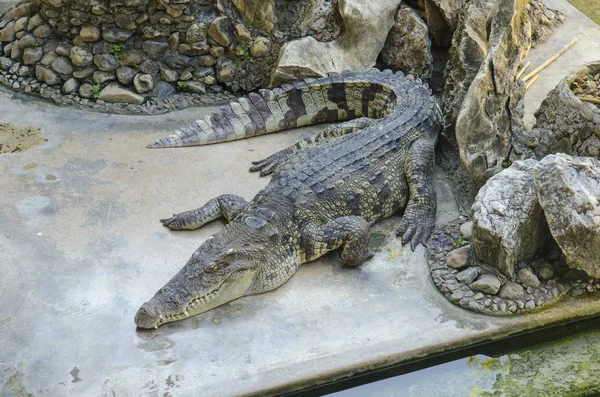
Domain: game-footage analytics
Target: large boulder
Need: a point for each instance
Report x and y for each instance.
(508, 222)
(467, 52)
(493, 109)
(568, 190)
(408, 46)
(366, 26)
(564, 124)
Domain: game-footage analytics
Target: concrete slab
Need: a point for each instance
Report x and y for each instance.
(83, 248)
(587, 49)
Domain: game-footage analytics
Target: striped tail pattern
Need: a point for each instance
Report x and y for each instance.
(337, 97)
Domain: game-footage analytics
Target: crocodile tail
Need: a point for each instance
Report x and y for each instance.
(337, 97)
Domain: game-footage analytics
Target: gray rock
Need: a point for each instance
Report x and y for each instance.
(21, 24)
(366, 27)
(27, 41)
(260, 47)
(543, 21)
(225, 74)
(163, 90)
(257, 13)
(42, 32)
(133, 58)
(34, 22)
(16, 52)
(178, 61)
(242, 33)
(8, 33)
(149, 67)
(196, 32)
(81, 57)
(484, 127)
(486, 283)
(194, 87)
(48, 58)
(84, 73)
(115, 93)
(155, 49)
(545, 270)
(62, 65)
(564, 124)
(114, 35)
(467, 52)
(468, 275)
(6, 63)
(32, 55)
(528, 278)
(508, 222)
(511, 290)
(70, 86)
(143, 83)
(568, 189)
(458, 258)
(105, 62)
(46, 75)
(466, 229)
(221, 31)
(103, 77)
(408, 47)
(125, 75)
(7, 49)
(63, 49)
(85, 91)
(169, 75)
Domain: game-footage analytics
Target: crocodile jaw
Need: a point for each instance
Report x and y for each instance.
(168, 305)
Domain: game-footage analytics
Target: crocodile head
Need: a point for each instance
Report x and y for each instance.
(212, 277)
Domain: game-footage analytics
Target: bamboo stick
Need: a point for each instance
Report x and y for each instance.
(527, 65)
(590, 100)
(530, 83)
(549, 61)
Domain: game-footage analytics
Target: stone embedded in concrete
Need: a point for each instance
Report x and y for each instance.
(106, 62)
(21, 24)
(27, 41)
(508, 222)
(528, 278)
(568, 189)
(257, 13)
(103, 77)
(48, 58)
(6, 63)
(62, 65)
(468, 275)
(143, 83)
(63, 49)
(90, 33)
(8, 33)
(484, 127)
(221, 31)
(155, 49)
(133, 58)
(511, 290)
(84, 73)
(34, 22)
(242, 33)
(81, 57)
(70, 86)
(32, 55)
(85, 91)
(162, 90)
(259, 49)
(487, 283)
(125, 75)
(46, 75)
(149, 67)
(366, 26)
(116, 93)
(458, 258)
(42, 32)
(115, 35)
(408, 47)
(196, 32)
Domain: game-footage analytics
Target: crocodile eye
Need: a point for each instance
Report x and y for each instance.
(214, 267)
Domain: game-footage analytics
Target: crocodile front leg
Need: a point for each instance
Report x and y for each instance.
(419, 216)
(268, 165)
(351, 233)
(226, 206)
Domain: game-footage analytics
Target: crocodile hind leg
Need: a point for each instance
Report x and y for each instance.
(419, 216)
(268, 165)
(350, 233)
(225, 205)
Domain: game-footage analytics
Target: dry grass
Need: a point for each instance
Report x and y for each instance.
(591, 8)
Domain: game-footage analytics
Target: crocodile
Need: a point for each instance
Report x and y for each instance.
(325, 192)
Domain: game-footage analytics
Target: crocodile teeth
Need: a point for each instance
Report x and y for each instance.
(186, 313)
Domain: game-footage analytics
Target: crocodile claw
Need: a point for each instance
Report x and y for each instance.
(416, 226)
(172, 223)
